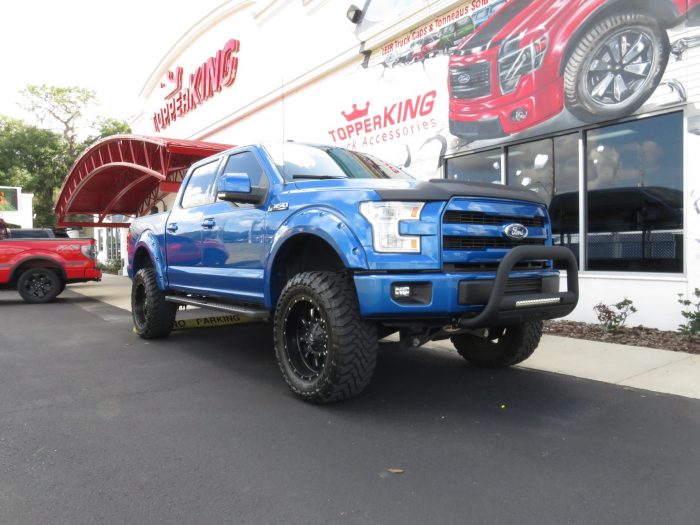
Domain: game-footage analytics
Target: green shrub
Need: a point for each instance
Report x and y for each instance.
(691, 312)
(612, 317)
(111, 266)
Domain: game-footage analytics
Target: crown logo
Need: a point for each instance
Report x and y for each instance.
(356, 113)
(173, 77)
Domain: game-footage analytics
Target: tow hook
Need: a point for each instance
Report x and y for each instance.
(412, 338)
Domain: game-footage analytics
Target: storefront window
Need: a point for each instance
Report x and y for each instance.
(549, 167)
(478, 167)
(634, 180)
(635, 195)
(564, 207)
(531, 166)
(113, 246)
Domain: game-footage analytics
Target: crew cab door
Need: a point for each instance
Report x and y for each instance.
(234, 244)
(183, 231)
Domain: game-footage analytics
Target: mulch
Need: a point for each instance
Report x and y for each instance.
(636, 336)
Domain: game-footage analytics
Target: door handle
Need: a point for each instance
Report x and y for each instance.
(172, 227)
(208, 223)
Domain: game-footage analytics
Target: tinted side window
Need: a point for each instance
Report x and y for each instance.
(199, 187)
(30, 234)
(246, 163)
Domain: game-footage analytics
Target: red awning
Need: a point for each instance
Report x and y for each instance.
(126, 175)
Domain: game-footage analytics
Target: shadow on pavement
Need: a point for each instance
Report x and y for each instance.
(406, 381)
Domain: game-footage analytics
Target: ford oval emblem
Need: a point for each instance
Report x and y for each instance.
(464, 78)
(515, 231)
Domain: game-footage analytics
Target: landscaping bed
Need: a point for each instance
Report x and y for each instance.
(636, 336)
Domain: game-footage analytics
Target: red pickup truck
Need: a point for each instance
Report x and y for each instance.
(40, 268)
(601, 59)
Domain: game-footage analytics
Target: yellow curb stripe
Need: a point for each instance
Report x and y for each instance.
(208, 322)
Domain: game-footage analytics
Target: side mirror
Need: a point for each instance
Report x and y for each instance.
(235, 187)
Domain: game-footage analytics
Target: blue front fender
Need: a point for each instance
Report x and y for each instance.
(149, 243)
(325, 225)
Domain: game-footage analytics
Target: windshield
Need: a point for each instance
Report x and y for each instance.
(301, 161)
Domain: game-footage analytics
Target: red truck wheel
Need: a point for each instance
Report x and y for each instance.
(512, 345)
(615, 67)
(39, 285)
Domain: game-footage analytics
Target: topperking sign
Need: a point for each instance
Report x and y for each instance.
(215, 73)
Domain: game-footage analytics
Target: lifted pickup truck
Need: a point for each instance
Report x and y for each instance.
(338, 249)
(40, 268)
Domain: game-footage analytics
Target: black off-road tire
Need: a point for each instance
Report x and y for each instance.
(515, 344)
(350, 343)
(39, 285)
(577, 98)
(153, 316)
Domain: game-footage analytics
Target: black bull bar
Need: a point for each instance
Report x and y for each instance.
(504, 310)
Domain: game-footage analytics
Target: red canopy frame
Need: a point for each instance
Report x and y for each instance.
(126, 175)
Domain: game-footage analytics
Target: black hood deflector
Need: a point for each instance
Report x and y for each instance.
(444, 190)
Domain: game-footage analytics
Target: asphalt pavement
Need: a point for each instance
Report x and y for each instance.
(99, 426)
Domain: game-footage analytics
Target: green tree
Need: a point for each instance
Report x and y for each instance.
(63, 107)
(105, 128)
(36, 160)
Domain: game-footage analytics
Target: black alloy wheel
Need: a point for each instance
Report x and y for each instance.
(306, 338)
(620, 66)
(39, 285)
(139, 308)
(615, 67)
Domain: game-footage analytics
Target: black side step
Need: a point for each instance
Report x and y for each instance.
(224, 307)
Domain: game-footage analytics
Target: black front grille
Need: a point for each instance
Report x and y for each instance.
(524, 286)
(481, 243)
(471, 81)
(493, 266)
(470, 217)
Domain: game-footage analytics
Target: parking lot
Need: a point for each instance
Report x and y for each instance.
(99, 426)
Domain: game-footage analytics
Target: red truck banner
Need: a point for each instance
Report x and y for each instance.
(489, 71)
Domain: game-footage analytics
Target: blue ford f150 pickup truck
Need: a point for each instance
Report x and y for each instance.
(338, 249)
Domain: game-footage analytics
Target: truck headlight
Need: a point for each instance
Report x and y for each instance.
(515, 61)
(384, 217)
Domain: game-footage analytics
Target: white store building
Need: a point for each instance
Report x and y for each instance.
(504, 91)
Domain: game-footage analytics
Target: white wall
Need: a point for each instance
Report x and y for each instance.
(656, 298)
(692, 202)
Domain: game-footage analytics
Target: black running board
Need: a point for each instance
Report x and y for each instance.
(243, 311)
